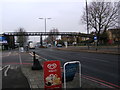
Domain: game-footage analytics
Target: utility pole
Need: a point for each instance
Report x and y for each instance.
(87, 23)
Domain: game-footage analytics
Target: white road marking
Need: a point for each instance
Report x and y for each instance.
(6, 54)
(44, 59)
(31, 54)
(38, 56)
(3, 67)
(5, 73)
(0, 68)
(20, 59)
(9, 54)
(16, 67)
(13, 67)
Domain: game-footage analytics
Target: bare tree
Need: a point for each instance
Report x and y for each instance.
(119, 14)
(22, 40)
(53, 35)
(101, 16)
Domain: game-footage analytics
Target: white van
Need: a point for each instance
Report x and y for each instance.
(32, 46)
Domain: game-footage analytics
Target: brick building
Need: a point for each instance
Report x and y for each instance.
(113, 36)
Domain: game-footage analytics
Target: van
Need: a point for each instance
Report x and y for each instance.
(32, 46)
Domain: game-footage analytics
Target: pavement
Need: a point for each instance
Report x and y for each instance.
(102, 49)
(35, 77)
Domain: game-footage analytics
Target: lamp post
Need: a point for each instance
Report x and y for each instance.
(87, 23)
(45, 23)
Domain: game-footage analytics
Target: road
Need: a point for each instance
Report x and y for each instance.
(103, 67)
(12, 76)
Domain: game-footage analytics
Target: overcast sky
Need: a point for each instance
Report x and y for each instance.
(65, 15)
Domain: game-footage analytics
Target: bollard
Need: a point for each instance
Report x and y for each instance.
(36, 63)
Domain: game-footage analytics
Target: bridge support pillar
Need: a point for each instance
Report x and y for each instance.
(41, 43)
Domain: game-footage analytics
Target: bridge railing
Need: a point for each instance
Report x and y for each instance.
(46, 33)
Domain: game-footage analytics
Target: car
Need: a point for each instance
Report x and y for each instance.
(59, 45)
(49, 45)
(32, 46)
(38, 45)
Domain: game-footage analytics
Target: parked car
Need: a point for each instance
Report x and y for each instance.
(59, 45)
(38, 45)
(49, 45)
(32, 46)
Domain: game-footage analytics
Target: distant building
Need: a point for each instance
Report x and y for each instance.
(113, 36)
(73, 39)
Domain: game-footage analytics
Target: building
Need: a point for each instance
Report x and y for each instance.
(73, 39)
(113, 36)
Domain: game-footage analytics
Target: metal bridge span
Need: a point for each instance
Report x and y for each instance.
(47, 33)
(72, 34)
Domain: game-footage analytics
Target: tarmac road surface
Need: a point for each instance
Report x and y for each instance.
(12, 76)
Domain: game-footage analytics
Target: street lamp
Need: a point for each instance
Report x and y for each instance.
(45, 25)
(45, 29)
(45, 22)
(87, 23)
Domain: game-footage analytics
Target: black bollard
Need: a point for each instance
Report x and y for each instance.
(36, 63)
(27, 48)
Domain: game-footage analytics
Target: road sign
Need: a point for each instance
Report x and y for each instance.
(52, 74)
(2, 38)
(70, 69)
(95, 37)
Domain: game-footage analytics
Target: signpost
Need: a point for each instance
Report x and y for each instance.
(95, 40)
(70, 70)
(52, 74)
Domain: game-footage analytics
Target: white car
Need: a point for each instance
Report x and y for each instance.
(49, 45)
(31, 46)
(59, 45)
